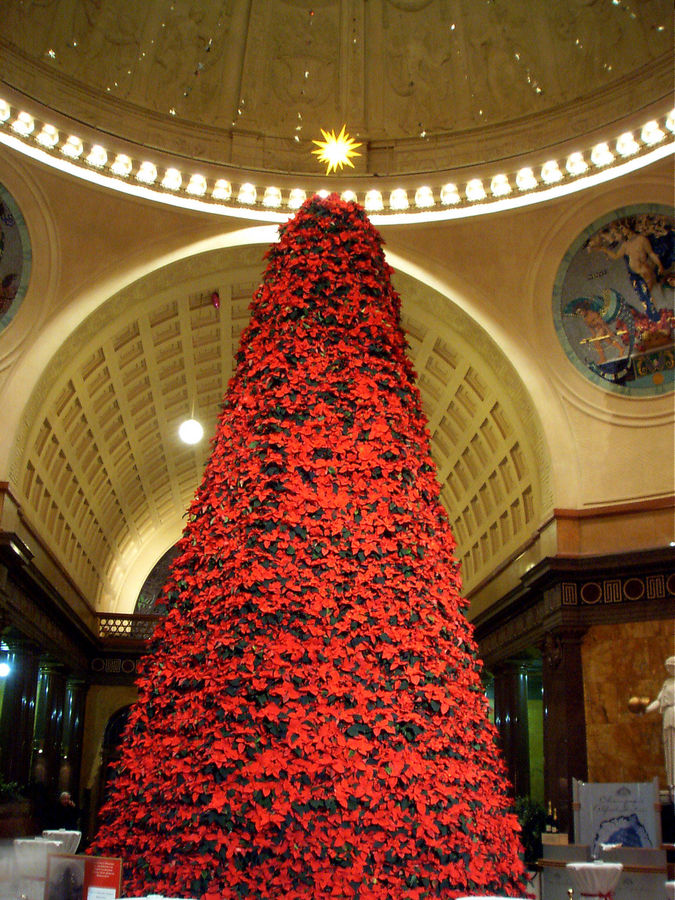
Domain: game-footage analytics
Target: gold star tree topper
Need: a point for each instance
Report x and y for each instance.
(336, 150)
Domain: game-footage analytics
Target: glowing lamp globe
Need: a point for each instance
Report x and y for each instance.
(190, 431)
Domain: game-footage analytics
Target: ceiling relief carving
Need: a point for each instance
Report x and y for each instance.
(301, 71)
(216, 80)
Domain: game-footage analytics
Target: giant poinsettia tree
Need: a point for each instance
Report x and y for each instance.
(311, 721)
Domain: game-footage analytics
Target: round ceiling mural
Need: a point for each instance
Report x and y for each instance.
(613, 301)
(15, 258)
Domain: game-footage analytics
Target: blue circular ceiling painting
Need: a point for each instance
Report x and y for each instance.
(613, 301)
(15, 258)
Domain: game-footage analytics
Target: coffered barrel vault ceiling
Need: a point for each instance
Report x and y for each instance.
(425, 84)
(102, 475)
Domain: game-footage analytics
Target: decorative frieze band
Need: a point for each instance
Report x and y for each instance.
(113, 665)
(629, 589)
(529, 624)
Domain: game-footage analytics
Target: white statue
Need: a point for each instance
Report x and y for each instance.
(665, 704)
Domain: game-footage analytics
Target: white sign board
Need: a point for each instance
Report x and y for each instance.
(624, 814)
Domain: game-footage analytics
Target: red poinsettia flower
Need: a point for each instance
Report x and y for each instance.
(310, 720)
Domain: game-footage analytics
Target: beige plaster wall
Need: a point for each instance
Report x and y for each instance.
(102, 702)
(502, 270)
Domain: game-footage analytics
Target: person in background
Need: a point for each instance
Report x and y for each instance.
(66, 813)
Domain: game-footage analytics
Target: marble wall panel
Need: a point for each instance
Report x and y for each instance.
(621, 661)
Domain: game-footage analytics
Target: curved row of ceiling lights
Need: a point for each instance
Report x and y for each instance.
(530, 184)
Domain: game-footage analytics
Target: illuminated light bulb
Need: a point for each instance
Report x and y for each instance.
(4, 670)
(670, 121)
(222, 189)
(323, 194)
(373, 201)
(348, 197)
(247, 193)
(272, 197)
(296, 198)
(449, 194)
(601, 155)
(424, 197)
(499, 186)
(121, 165)
(172, 180)
(651, 133)
(147, 173)
(190, 431)
(525, 180)
(550, 172)
(48, 137)
(5, 110)
(73, 147)
(576, 164)
(626, 145)
(475, 190)
(98, 156)
(196, 185)
(398, 199)
(24, 124)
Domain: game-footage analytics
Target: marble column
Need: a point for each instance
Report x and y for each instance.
(71, 741)
(565, 755)
(510, 687)
(17, 716)
(49, 707)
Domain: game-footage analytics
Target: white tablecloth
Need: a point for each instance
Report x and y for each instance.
(7, 875)
(595, 879)
(70, 839)
(31, 864)
(670, 890)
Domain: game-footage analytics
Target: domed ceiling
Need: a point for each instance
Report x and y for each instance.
(425, 85)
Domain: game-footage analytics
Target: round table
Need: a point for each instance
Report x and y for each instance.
(595, 879)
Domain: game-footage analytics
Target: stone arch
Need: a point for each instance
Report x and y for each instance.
(102, 478)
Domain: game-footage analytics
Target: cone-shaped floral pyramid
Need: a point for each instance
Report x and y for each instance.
(311, 721)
